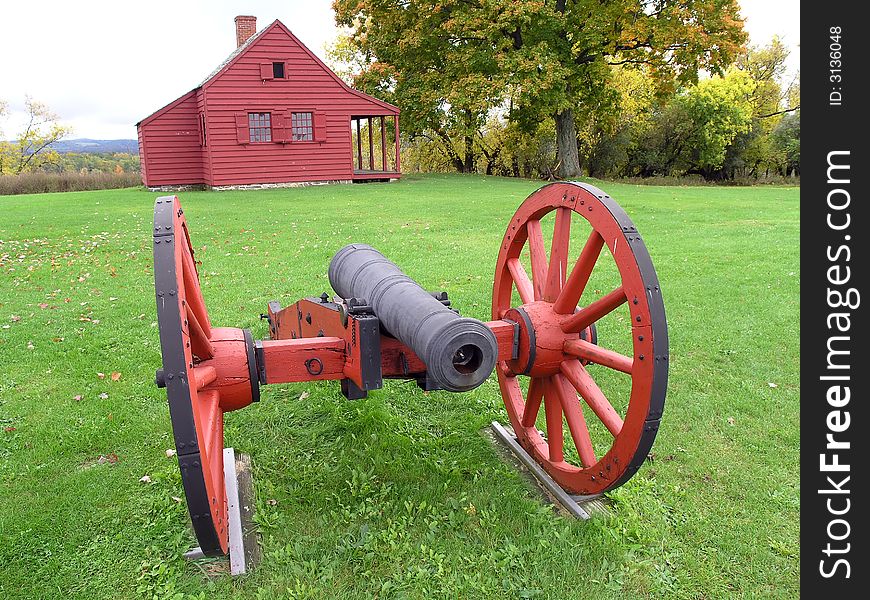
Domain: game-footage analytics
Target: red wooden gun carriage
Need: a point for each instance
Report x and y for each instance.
(542, 344)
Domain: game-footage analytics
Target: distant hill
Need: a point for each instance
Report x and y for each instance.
(86, 145)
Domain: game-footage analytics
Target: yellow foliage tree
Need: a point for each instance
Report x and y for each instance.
(32, 147)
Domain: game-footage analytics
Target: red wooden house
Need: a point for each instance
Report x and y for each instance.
(271, 113)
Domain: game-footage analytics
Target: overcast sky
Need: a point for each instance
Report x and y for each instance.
(104, 65)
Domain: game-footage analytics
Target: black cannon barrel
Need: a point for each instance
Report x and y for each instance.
(459, 353)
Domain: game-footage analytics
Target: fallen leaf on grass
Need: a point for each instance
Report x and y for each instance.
(15, 318)
(57, 340)
(78, 397)
(771, 384)
(116, 376)
(731, 421)
(272, 502)
(8, 429)
(43, 305)
(144, 479)
(101, 375)
(102, 459)
(304, 395)
(177, 499)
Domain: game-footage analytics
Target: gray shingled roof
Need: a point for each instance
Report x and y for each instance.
(232, 55)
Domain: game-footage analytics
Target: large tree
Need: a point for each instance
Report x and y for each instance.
(448, 62)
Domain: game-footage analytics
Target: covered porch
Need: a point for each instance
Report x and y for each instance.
(375, 147)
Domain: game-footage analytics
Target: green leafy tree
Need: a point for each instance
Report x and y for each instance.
(754, 151)
(426, 58)
(692, 131)
(448, 63)
(720, 109)
(786, 139)
(606, 137)
(32, 149)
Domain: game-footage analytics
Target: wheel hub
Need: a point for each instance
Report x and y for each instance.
(541, 339)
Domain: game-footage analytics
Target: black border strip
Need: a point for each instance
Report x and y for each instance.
(658, 323)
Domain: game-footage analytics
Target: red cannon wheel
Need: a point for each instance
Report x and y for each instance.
(559, 357)
(206, 371)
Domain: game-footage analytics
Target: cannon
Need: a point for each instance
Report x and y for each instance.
(542, 342)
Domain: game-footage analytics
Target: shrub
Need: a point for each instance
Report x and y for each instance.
(38, 183)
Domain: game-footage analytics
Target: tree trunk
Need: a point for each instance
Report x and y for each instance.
(449, 151)
(468, 163)
(566, 146)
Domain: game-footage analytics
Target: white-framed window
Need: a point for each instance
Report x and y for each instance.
(302, 125)
(260, 127)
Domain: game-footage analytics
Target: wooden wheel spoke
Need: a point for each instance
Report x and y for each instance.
(558, 254)
(204, 375)
(587, 315)
(570, 295)
(521, 280)
(538, 257)
(200, 344)
(553, 410)
(592, 394)
(192, 291)
(598, 355)
(210, 420)
(537, 385)
(576, 423)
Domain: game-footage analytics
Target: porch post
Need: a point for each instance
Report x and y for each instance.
(396, 131)
(371, 148)
(358, 145)
(383, 144)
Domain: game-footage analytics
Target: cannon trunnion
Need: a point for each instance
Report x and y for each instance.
(550, 304)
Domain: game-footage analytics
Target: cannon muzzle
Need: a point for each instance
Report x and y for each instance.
(459, 353)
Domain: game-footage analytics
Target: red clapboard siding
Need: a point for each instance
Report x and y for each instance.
(169, 146)
(171, 140)
(142, 166)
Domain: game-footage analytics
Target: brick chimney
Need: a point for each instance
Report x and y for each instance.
(246, 26)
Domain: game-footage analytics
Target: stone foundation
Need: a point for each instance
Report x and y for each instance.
(268, 186)
(179, 188)
(246, 186)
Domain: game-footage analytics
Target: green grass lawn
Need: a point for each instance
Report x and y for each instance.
(398, 495)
